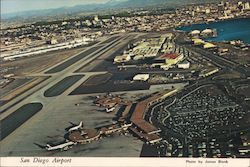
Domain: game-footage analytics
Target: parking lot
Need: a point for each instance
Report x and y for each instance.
(203, 122)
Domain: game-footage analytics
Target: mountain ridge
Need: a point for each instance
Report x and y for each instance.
(112, 4)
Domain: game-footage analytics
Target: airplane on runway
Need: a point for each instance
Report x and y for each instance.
(80, 126)
(64, 146)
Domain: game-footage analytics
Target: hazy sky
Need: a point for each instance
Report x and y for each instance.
(10, 6)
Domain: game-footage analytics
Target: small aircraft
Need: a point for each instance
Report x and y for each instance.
(76, 127)
(64, 146)
(110, 109)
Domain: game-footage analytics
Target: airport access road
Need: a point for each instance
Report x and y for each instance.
(220, 61)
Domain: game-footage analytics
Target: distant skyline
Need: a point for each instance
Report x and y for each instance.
(13, 6)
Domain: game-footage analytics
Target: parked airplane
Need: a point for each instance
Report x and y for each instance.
(80, 126)
(64, 146)
(110, 109)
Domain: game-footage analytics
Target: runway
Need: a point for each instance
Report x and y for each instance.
(57, 107)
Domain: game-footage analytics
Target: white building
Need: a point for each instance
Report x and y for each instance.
(53, 41)
(141, 77)
(122, 59)
(198, 41)
(208, 45)
(207, 32)
(246, 6)
(184, 65)
(148, 48)
(207, 11)
(195, 32)
(96, 18)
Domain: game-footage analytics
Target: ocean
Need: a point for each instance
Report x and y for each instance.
(227, 30)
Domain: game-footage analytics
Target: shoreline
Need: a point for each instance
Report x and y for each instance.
(185, 29)
(216, 21)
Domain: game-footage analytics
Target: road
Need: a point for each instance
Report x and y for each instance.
(214, 58)
(220, 61)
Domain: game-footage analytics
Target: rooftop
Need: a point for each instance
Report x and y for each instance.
(170, 56)
(148, 137)
(145, 126)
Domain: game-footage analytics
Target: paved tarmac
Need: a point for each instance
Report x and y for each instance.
(48, 125)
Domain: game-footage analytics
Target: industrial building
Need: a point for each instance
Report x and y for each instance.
(167, 61)
(197, 41)
(141, 77)
(122, 59)
(168, 47)
(209, 33)
(172, 58)
(195, 33)
(208, 72)
(47, 48)
(148, 48)
(204, 44)
(204, 33)
(208, 45)
(184, 65)
(222, 51)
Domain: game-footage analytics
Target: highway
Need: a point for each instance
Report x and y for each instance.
(220, 61)
(214, 58)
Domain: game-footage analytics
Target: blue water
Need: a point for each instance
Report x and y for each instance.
(227, 30)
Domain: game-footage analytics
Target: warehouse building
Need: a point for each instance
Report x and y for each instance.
(148, 48)
(197, 41)
(167, 61)
(208, 45)
(141, 77)
(184, 65)
(122, 59)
